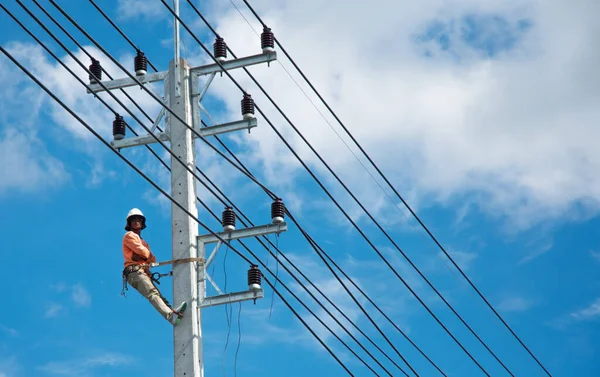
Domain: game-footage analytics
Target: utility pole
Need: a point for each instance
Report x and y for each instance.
(183, 97)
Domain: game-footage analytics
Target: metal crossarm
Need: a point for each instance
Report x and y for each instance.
(234, 64)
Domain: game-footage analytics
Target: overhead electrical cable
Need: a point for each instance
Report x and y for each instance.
(155, 97)
(312, 242)
(216, 217)
(227, 73)
(110, 77)
(101, 100)
(404, 202)
(268, 121)
(74, 75)
(112, 23)
(309, 292)
(149, 180)
(357, 201)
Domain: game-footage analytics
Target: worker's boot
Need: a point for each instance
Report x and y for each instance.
(178, 313)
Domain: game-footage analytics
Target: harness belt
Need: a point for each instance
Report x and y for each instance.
(136, 267)
(126, 271)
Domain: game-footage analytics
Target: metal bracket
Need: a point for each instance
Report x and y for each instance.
(266, 57)
(126, 82)
(139, 140)
(232, 297)
(227, 127)
(244, 233)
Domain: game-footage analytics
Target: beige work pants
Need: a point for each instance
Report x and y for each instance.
(143, 284)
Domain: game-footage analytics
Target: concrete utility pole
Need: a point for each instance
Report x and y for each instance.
(183, 98)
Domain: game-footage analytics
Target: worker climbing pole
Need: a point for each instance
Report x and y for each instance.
(182, 116)
(138, 258)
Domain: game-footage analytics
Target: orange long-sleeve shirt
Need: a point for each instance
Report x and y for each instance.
(134, 245)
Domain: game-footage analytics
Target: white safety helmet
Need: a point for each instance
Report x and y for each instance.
(135, 212)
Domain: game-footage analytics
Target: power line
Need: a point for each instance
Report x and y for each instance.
(300, 318)
(122, 90)
(120, 32)
(284, 255)
(319, 111)
(158, 100)
(360, 204)
(229, 75)
(72, 113)
(238, 160)
(200, 201)
(103, 102)
(266, 118)
(479, 293)
(84, 68)
(233, 155)
(320, 251)
(241, 165)
(306, 167)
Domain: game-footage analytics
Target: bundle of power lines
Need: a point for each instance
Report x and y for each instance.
(400, 363)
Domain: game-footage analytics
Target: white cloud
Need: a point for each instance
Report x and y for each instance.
(24, 102)
(515, 304)
(515, 131)
(9, 330)
(27, 165)
(53, 309)
(462, 258)
(537, 251)
(589, 313)
(81, 297)
(129, 9)
(9, 367)
(58, 287)
(84, 366)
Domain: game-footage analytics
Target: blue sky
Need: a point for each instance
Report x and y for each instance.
(480, 115)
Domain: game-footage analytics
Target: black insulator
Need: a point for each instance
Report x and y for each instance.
(267, 40)
(247, 106)
(140, 63)
(228, 219)
(118, 127)
(96, 71)
(277, 211)
(254, 277)
(220, 49)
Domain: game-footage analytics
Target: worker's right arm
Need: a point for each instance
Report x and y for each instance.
(133, 241)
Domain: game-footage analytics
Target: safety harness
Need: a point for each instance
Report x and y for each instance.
(155, 276)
